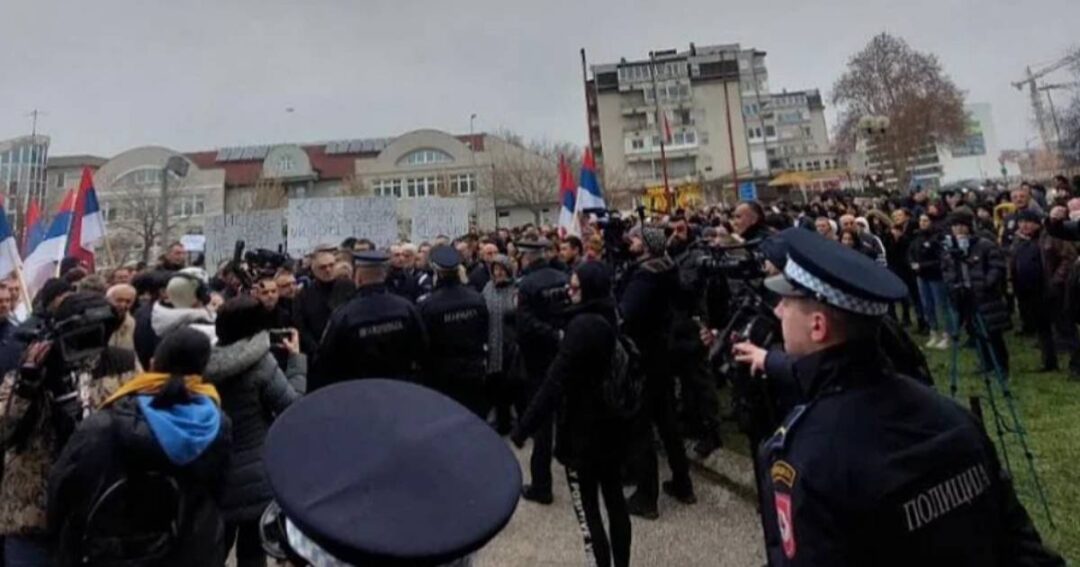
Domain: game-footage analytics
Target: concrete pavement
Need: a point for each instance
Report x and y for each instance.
(722, 529)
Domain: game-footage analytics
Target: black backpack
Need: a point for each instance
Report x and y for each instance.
(135, 521)
(622, 389)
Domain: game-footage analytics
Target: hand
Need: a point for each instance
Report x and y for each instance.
(749, 353)
(216, 300)
(292, 344)
(1059, 213)
(708, 336)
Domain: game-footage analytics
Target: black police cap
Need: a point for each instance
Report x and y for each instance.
(540, 244)
(836, 275)
(370, 258)
(384, 472)
(444, 257)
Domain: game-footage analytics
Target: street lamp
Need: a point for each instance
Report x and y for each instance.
(178, 166)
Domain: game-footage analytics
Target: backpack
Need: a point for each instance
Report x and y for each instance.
(135, 521)
(622, 389)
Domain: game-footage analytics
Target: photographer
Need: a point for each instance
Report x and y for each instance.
(67, 372)
(973, 268)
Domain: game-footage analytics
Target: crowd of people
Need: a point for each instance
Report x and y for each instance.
(523, 326)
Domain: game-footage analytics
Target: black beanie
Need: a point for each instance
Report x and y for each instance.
(595, 280)
(240, 318)
(183, 351)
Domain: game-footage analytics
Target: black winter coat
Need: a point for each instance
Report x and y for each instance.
(456, 319)
(107, 445)
(539, 317)
(312, 308)
(924, 254)
(253, 392)
(646, 308)
(587, 436)
(986, 270)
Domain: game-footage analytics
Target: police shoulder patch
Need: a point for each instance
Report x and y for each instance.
(783, 473)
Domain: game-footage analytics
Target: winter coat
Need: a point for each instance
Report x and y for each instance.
(118, 439)
(1057, 257)
(986, 279)
(924, 254)
(27, 462)
(587, 435)
(253, 391)
(646, 308)
(312, 308)
(502, 339)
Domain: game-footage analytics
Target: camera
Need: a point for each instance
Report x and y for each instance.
(78, 338)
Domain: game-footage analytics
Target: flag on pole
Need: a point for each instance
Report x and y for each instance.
(42, 261)
(9, 249)
(567, 197)
(87, 224)
(588, 194)
(35, 228)
(664, 125)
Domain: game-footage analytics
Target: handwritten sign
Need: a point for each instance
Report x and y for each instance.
(258, 229)
(330, 220)
(434, 216)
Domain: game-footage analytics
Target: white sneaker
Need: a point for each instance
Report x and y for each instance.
(933, 340)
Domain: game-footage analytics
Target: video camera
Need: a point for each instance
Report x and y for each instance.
(252, 265)
(742, 262)
(78, 338)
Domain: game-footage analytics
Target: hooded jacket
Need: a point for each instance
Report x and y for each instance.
(587, 435)
(253, 391)
(645, 305)
(188, 442)
(165, 318)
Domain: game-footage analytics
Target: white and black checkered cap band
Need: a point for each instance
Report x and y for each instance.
(826, 293)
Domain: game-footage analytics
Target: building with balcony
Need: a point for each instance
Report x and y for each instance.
(699, 92)
(22, 174)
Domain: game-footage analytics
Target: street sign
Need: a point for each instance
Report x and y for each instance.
(747, 191)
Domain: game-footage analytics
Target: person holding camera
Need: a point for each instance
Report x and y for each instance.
(871, 467)
(66, 373)
(974, 271)
(253, 392)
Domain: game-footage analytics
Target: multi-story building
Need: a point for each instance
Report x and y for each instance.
(699, 92)
(63, 173)
(801, 140)
(22, 172)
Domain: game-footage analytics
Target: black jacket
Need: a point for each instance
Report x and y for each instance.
(479, 276)
(539, 316)
(983, 280)
(456, 320)
(146, 340)
(924, 254)
(646, 307)
(312, 308)
(404, 283)
(587, 435)
(253, 392)
(376, 335)
(876, 469)
(107, 446)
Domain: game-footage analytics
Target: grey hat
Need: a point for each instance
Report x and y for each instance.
(655, 241)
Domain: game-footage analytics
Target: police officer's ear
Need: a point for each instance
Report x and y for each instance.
(821, 328)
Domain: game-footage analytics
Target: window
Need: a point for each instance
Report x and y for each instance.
(684, 117)
(387, 188)
(656, 141)
(770, 131)
(637, 144)
(59, 181)
(425, 156)
(285, 163)
(421, 186)
(464, 184)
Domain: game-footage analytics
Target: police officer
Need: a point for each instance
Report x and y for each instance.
(375, 334)
(456, 319)
(541, 298)
(870, 467)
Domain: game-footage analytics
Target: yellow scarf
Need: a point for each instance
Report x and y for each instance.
(152, 382)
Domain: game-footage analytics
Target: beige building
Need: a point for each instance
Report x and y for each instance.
(64, 173)
(796, 133)
(700, 93)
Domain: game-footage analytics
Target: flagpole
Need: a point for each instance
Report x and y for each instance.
(663, 150)
(23, 290)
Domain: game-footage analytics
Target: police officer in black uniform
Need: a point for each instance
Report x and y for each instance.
(541, 298)
(870, 467)
(375, 334)
(456, 319)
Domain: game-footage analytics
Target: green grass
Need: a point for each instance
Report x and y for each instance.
(1049, 406)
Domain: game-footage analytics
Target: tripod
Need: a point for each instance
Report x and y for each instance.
(993, 375)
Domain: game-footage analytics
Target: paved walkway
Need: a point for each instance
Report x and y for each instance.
(721, 529)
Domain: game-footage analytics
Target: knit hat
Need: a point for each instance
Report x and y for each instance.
(182, 291)
(1029, 215)
(962, 215)
(655, 241)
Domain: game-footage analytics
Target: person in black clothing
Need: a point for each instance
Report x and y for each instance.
(924, 256)
(456, 319)
(538, 322)
(375, 335)
(589, 439)
(480, 274)
(571, 252)
(317, 301)
(645, 305)
(403, 278)
(870, 467)
(897, 245)
(151, 289)
(749, 222)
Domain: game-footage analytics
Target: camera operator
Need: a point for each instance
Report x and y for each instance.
(871, 468)
(66, 372)
(646, 307)
(973, 268)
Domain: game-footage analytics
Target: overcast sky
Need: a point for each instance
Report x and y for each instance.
(198, 74)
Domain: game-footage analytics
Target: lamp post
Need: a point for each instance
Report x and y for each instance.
(179, 166)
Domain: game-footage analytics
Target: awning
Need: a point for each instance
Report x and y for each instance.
(800, 178)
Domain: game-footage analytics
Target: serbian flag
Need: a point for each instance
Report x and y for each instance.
(9, 249)
(87, 224)
(664, 125)
(42, 262)
(588, 194)
(567, 196)
(35, 228)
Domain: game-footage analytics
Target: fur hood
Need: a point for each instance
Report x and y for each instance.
(235, 359)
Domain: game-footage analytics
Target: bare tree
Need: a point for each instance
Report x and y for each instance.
(1070, 122)
(269, 194)
(353, 187)
(888, 78)
(526, 173)
(135, 224)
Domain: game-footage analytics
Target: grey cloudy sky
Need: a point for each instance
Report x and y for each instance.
(199, 74)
